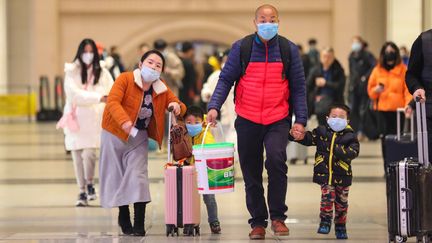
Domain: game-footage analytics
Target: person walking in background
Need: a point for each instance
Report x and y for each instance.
(361, 63)
(188, 93)
(87, 85)
(387, 89)
(114, 63)
(266, 90)
(313, 53)
(325, 84)
(419, 76)
(135, 111)
(405, 55)
(142, 48)
(174, 71)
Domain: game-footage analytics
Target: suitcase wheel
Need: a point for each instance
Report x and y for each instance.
(171, 230)
(400, 239)
(197, 230)
(189, 230)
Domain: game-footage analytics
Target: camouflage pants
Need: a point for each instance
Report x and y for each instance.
(338, 196)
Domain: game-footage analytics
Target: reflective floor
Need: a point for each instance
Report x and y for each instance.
(38, 193)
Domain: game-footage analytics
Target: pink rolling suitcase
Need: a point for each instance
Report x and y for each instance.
(182, 201)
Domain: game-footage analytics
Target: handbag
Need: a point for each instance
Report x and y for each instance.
(69, 120)
(373, 124)
(181, 143)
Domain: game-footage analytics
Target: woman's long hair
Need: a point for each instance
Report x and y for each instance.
(382, 52)
(96, 65)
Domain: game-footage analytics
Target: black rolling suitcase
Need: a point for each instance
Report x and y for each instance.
(409, 191)
(45, 113)
(399, 146)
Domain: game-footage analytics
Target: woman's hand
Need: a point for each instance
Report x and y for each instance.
(320, 82)
(127, 126)
(378, 89)
(176, 108)
(103, 99)
(408, 111)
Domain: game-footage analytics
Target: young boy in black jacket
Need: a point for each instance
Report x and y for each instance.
(337, 145)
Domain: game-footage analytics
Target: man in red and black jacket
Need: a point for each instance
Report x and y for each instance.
(266, 95)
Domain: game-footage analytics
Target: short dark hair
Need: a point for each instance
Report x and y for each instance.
(186, 46)
(154, 52)
(194, 111)
(160, 44)
(312, 41)
(340, 106)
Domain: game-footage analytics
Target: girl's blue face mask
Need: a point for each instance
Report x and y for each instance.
(194, 129)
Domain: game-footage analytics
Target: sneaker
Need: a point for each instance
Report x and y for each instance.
(215, 227)
(257, 233)
(340, 231)
(91, 192)
(82, 200)
(324, 227)
(279, 228)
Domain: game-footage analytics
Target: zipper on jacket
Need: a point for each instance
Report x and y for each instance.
(139, 108)
(265, 77)
(331, 159)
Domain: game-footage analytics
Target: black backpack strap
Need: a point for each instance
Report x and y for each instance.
(285, 51)
(245, 52)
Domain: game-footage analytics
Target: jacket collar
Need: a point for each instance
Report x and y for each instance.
(270, 42)
(158, 86)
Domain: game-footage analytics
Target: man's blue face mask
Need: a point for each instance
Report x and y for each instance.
(267, 30)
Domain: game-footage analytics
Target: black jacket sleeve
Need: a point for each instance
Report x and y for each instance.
(347, 152)
(415, 66)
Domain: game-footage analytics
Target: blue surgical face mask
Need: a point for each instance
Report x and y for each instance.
(194, 129)
(267, 30)
(149, 75)
(356, 46)
(337, 124)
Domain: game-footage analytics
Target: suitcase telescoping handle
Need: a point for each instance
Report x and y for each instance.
(170, 110)
(399, 111)
(422, 135)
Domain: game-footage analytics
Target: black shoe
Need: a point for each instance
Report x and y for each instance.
(82, 200)
(124, 220)
(139, 218)
(91, 192)
(215, 227)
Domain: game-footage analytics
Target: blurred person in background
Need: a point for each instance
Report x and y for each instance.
(134, 113)
(87, 85)
(405, 55)
(113, 63)
(174, 71)
(326, 84)
(361, 63)
(387, 89)
(188, 94)
(142, 48)
(313, 53)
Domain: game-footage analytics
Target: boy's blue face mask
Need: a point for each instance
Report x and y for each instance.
(194, 129)
(337, 124)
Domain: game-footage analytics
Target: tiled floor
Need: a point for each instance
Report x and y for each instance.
(38, 192)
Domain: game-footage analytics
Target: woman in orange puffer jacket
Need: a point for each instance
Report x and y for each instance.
(387, 88)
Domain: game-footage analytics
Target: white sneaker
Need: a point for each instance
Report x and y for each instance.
(82, 200)
(91, 192)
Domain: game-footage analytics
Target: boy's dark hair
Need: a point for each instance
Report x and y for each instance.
(340, 106)
(194, 111)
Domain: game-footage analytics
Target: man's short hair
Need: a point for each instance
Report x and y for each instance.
(266, 6)
(160, 44)
(186, 46)
(340, 106)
